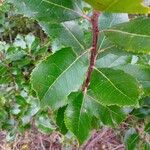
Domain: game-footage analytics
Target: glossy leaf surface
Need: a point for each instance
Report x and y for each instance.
(57, 76)
(48, 10)
(78, 117)
(65, 34)
(128, 6)
(114, 87)
(132, 36)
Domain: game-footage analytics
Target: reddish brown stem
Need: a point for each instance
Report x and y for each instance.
(95, 30)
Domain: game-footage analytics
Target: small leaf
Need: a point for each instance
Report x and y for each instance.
(5, 76)
(21, 101)
(19, 42)
(133, 36)
(15, 109)
(108, 115)
(114, 87)
(147, 146)
(131, 139)
(15, 54)
(59, 75)
(60, 120)
(30, 112)
(119, 6)
(44, 123)
(147, 128)
(11, 135)
(3, 115)
(77, 117)
(31, 41)
(144, 110)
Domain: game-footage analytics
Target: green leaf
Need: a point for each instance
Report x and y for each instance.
(3, 115)
(144, 59)
(114, 87)
(143, 111)
(15, 110)
(21, 101)
(83, 108)
(78, 117)
(30, 112)
(44, 123)
(60, 120)
(112, 115)
(107, 20)
(66, 34)
(147, 128)
(20, 42)
(11, 135)
(59, 75)
(133, 36)
(119, 6)
(131, 139)
(140, 72)
(15, 54)
(5, 76)
(5, 7)
(147, 146)
(108, 115)
(48, 10)
(111, 60)
(146, 101)
(32, 42)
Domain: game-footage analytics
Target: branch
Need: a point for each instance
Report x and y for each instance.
(86, 17)
(95, 30)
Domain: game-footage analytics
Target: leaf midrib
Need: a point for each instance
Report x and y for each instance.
(111, 5)
(63, 73)
(104, 106)
(81, 110)
(114, 85)
(127, 33)
(73, 36)
(57, 5)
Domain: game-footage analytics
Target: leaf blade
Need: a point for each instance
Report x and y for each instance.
(110, 88)
(119, 6)
(108, 115)
(133, 36)
(48, 10)
(77, 117)
(140, 72)
(55, 78)
(65, 34)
